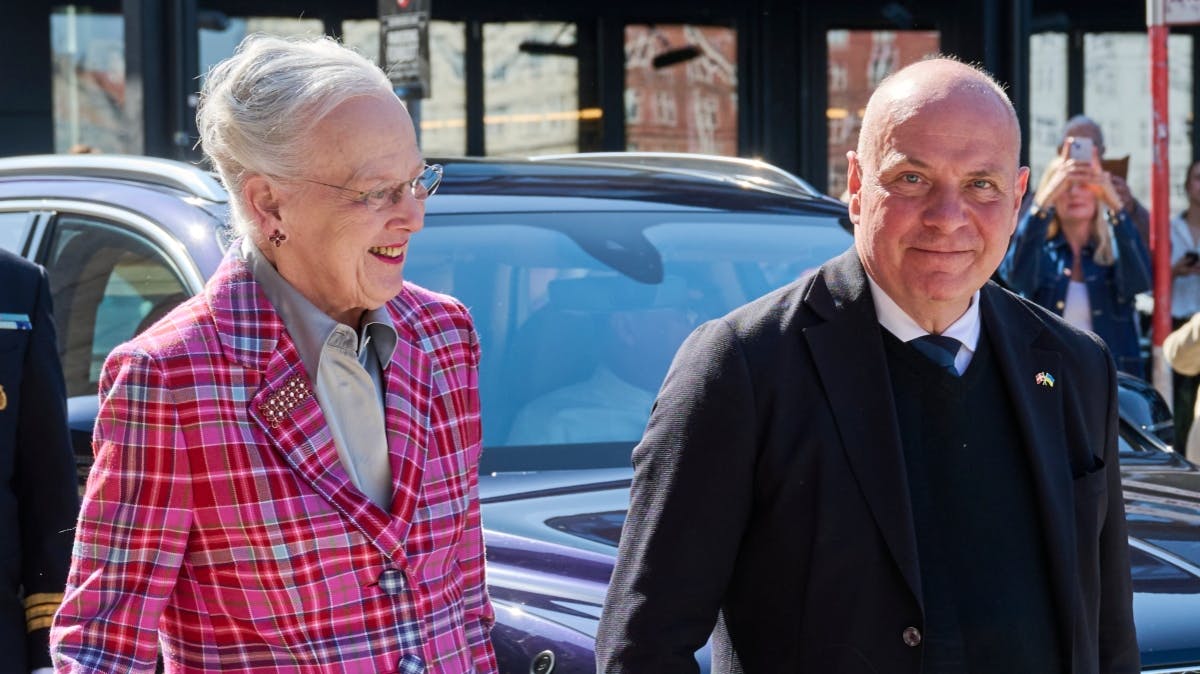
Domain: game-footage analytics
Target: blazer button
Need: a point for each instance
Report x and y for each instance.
(912, 636)
(1060, 304)
(391, 581)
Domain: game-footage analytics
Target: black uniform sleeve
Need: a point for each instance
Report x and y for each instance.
(45, 479)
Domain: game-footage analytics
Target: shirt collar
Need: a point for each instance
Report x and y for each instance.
(311, 328)
(896, 321)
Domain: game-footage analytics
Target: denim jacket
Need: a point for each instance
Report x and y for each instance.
(1039, 269)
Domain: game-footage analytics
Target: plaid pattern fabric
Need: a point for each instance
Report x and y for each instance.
(219, 521)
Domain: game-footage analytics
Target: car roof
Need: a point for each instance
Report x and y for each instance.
(153, 171)
(754, 171)
(567, 184)
(600, 181)
(165, 189)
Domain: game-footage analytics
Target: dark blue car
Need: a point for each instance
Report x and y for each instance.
(583, 275)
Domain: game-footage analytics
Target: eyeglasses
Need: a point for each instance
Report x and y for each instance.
(422, 187)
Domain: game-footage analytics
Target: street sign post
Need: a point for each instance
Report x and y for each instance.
(404, 46)
(1160, 16)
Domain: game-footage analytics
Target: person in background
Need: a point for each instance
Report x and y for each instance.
(1077, 253)
(286, 473)
(640, 327)
(1185, 295)
(1181, 348)
(39, 491)
(891, 464)
(1082, 126)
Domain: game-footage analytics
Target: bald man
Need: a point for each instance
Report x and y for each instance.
(890, 465)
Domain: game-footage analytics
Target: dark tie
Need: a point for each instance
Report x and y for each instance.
(940, 349)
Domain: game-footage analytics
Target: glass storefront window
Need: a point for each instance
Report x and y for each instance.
(442, 116)
(88, 71)
(681, 88)
(1047, 99)
(217, 45)
(1115, 68)
(531, 100)
(858, 62)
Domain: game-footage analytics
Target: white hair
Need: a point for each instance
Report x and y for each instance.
(258, 107)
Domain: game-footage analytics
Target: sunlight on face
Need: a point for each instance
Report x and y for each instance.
(935, 194)
(341, 254)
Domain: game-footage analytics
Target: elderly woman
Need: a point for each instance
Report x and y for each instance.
(1077, 253)
(286, 465)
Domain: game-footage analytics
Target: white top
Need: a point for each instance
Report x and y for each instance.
(602, 408)
(896, 321)
(1185, 290)
(1078, 307)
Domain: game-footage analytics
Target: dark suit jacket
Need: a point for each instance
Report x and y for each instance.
(39, 496)
(770, 495)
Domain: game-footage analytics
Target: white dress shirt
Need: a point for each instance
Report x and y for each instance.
(896, 321)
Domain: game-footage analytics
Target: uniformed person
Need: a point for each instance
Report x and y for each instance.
(39, 496)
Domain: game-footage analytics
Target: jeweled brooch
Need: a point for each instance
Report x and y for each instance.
(281, 403)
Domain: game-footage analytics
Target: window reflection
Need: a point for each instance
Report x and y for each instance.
(442, 117)
(1047, 98)
(681, 88)
(858, 62)
(531, 99)
(88, 71)
(218, 45)
(1115, 67)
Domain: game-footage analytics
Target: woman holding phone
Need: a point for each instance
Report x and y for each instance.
(1076, 253)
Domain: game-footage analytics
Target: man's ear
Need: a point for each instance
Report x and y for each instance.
(854, 185)
(1022, 184)
(262, 201)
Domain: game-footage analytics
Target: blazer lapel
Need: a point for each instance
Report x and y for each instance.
(847, 350)
(285, 406)
(409, 400)
(1039, 407)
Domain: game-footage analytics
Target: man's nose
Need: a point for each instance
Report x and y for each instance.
(944, 207)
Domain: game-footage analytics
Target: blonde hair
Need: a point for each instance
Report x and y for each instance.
(1101, 235)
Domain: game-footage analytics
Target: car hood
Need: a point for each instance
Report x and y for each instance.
(552, 540)
(1162, 508)
(537, 566)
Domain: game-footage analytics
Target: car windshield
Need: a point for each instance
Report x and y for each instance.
(579, 314)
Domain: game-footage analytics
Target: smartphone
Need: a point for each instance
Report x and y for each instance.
(1191, 258)
(1080, 149)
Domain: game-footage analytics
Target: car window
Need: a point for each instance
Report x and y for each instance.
(1151, 574)
(1186, 546)
(108, 283)
(579, 318)
(14, 228)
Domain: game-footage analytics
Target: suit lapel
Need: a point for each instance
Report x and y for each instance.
(1014, 332)
(848, 353)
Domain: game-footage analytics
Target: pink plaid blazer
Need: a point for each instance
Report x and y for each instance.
(219, 521)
